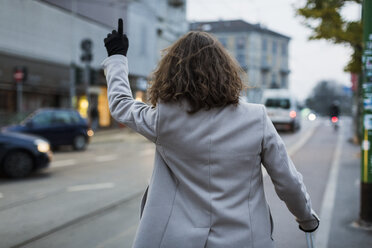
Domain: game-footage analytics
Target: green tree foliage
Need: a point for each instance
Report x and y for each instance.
(327, 92)
(324, 18)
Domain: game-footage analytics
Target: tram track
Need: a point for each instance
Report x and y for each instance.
(79, 220)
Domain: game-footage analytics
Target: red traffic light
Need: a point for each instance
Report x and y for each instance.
(19, 75)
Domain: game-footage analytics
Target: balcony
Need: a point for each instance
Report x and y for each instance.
(284, 70)
(176, 3)
(265, 66)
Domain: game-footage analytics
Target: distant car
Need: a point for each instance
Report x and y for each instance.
(58, 126)
(21, 154)
(282, 109)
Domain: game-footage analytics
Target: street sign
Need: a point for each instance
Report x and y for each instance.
(19, 74)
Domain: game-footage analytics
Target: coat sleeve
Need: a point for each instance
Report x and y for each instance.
(287, 180)
(137, 115)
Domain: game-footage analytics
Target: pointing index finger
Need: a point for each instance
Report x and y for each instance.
(120, 26)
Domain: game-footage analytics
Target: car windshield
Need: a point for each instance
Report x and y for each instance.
(43, 118)
(28, 118)
(63, 117)
(278, 103)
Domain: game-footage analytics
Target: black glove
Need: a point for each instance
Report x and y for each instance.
(117, 42)
(312, 229)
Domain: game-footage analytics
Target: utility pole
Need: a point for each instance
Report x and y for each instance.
(366, 166)
(72, 54)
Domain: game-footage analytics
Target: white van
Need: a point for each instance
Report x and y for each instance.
(282, 109)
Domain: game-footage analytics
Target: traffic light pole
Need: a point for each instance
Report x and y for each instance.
(72, 86)
(366, 160)
(87, 81)
(19, 97)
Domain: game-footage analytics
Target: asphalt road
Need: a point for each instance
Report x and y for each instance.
(91, 199)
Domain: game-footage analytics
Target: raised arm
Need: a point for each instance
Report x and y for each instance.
(135, 114)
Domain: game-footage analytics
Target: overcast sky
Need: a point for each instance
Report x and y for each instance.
(310, 61)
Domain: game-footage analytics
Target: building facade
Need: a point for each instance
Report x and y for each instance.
(262, 53)
(45, 38)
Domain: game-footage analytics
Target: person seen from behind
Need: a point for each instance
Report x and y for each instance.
(334, 109)
(206, 189)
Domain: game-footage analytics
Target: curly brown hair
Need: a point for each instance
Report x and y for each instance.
(199, 69)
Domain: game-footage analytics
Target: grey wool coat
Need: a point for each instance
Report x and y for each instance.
(206, 189)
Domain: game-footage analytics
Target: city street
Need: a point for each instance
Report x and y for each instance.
(91, 198)
(75, 71)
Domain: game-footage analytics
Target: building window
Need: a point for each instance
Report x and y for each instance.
(240, 43)
(223, 41)
(274, 47)
(264, 44)
(274, 84)
(284, 81)
(241, 60)
(284, 49)
(264, 78)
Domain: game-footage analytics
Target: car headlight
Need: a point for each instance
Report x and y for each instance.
(90, 132)
(42, 146)
(311, 117)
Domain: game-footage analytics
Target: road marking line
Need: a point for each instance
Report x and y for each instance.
(293, 149)
(1, 195)
(322, 235)
(106, 158)
(63, 163)
(85, 187)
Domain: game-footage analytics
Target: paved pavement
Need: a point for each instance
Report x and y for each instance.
(115, 135)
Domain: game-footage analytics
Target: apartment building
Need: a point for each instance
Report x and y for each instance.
(261, 52)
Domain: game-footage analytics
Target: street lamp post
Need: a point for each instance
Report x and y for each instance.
(72, 54)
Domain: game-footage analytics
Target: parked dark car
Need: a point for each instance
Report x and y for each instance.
(58, 126)
(21, 154)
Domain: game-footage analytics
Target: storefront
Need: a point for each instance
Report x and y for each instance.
(45, 84)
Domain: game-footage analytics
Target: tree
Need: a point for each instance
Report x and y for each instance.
(327, 92)
(324, 18)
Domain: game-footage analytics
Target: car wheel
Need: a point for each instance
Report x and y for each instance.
(17, 164)
(80, 142)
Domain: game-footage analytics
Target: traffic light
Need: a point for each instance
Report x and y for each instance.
(20, 74)
(86, 47)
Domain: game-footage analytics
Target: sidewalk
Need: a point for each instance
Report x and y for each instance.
(121, 134)
(343, 233)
